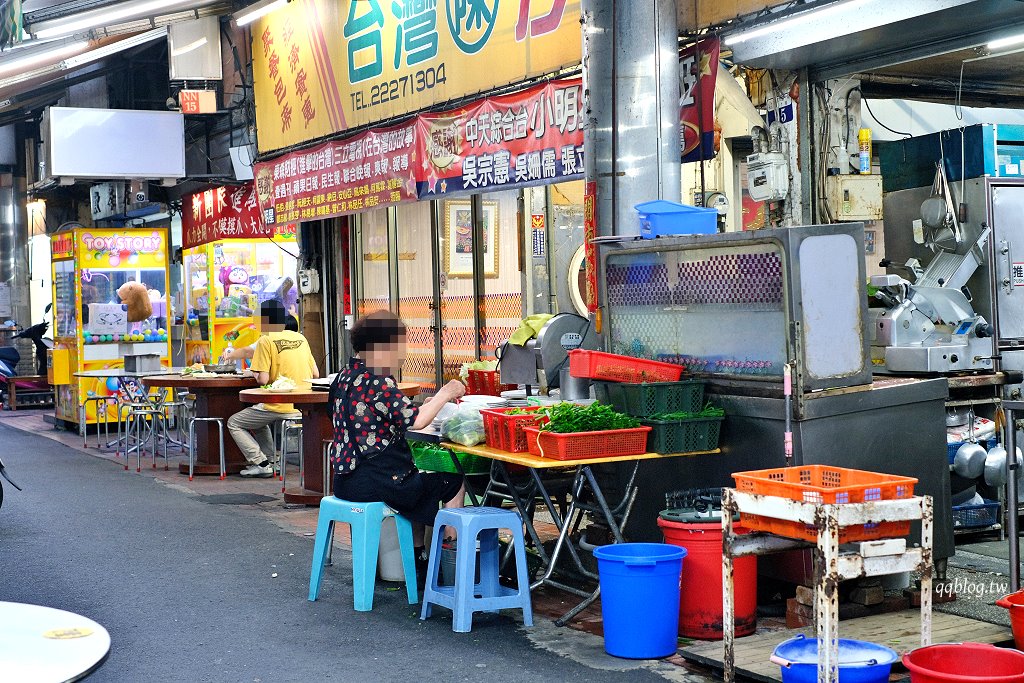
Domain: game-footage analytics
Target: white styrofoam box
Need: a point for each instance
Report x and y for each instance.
(108, 319)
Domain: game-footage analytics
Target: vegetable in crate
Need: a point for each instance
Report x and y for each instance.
(567, 418)
(707, 411)
(466, 427)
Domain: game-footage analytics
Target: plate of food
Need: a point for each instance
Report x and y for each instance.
(281, 385)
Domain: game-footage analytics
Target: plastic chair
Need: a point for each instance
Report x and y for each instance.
(466, 596)
(364, 520)
(192, 443)
(288, 427)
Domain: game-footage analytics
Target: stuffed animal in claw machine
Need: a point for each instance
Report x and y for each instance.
(232, 276)
(136, 297)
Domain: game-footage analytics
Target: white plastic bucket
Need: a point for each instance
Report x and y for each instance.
(389, 557)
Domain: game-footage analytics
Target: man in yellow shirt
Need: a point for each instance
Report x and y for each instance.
(278, 353)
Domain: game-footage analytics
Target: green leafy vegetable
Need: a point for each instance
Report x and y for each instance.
(567, 418)
(707, 411)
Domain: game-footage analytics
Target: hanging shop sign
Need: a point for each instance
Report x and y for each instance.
(321, 67)
(526, 138)
(371, 170)
(222, 213)
(698, 69)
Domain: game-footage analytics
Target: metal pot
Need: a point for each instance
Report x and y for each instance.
(995, 466)
(969, 461)
(957, 417)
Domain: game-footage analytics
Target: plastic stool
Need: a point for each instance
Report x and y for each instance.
(364, 520)
(466, 597)
(192, 443)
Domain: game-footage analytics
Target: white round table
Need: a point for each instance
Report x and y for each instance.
(42, 644)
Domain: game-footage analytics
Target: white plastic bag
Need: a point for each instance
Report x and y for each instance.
(465, 427)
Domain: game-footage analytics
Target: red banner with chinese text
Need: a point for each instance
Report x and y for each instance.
(372, 170)
(526, 138)
(698, 70)
(222, 213)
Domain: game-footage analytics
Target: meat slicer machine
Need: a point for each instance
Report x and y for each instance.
(545, 360)
(929, 325)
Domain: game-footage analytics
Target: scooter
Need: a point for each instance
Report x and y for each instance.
(35, 333)
(3, 472)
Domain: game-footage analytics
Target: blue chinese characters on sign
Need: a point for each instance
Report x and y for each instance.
(362, 32)
(416, 36)
(471, 22)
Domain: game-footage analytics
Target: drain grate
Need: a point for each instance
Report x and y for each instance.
(236, 499)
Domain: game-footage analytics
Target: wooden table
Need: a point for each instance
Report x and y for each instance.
(215, 397)
(615, 516)
(316, 428)
(47, 645)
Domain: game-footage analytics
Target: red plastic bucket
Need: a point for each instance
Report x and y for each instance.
(700, 581)
(965, 663)
(1015, 603)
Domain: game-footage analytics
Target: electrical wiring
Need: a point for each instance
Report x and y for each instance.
(896, 132)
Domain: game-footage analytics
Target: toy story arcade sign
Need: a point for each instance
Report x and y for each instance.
(527, 138)
(322, 67)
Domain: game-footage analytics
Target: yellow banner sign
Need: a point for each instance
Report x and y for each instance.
(323, 66)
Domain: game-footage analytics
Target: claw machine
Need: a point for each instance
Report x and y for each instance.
(91, 331)
(226, 281)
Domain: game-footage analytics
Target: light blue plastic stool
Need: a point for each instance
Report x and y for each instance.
(466, 597)
(364, 520)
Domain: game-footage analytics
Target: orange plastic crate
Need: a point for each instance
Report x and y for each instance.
(825, 484)
(580, 445)
(615, 368)
(505, 432)
(485, 383)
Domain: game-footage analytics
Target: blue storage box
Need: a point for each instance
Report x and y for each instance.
(952, 448)
(662, 218)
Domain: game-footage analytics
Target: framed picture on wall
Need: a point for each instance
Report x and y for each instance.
(458, 238)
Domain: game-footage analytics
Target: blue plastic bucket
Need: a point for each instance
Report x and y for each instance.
(859, 661)
(640, 598)
(662, 218)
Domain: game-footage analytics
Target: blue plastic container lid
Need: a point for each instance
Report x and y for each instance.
(852, 653)
(630, 553)
(663, 206)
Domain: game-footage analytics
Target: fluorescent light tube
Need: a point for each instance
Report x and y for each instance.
(792, 22)
(253, 12)
(113, 48)
(1006, 42)
(85, 21)
(53, 54)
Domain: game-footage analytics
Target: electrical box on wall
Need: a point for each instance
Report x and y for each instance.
(854, 197)
(309, 281)
(767, 176)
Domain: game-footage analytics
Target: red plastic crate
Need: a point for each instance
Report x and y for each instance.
(485, 383)
(505, 432)
(581, 445)
(615, 368)
(825, 484)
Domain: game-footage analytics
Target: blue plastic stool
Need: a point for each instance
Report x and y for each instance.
(364, 520)
(466, 597)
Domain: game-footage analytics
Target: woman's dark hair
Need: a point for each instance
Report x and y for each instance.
(291, 324)
(379, 327)
(273, 311)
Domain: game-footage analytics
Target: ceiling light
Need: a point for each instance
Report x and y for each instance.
(792, 22)
(85, 21)
(1006, 42)
(253, 12)
(114, 48)
(53, 54)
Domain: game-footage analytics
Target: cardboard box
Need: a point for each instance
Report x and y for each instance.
(107, 319)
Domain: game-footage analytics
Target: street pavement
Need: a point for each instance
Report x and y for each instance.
(190, 590)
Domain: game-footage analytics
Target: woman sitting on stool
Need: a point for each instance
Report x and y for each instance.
(369, 454)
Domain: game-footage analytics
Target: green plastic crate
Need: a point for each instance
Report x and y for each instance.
(650, 398)
(434, 458)
(683, 436)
